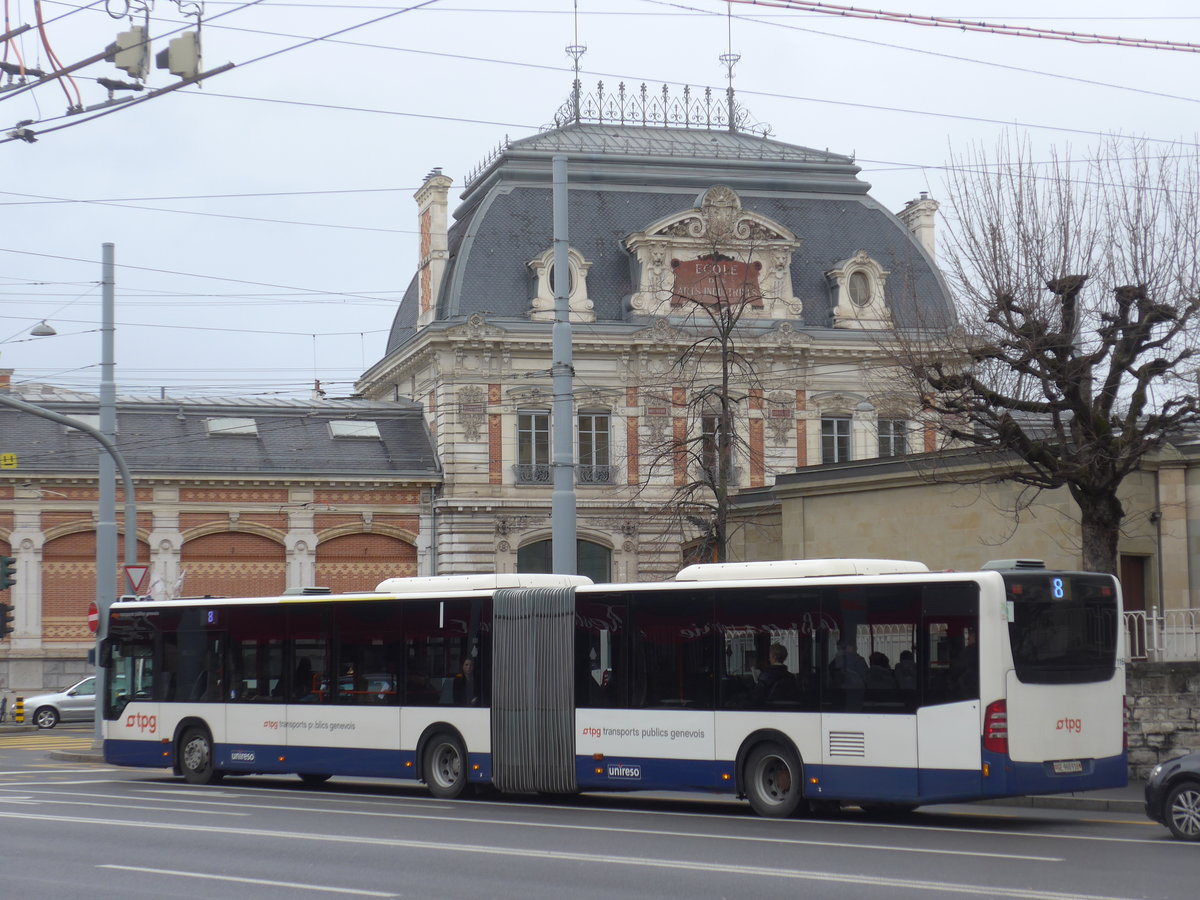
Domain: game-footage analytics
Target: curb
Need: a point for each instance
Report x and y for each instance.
(1088, 804)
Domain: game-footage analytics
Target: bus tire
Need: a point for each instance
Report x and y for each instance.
(445, 766)
(773, 781)
(314, 779)
(1183, 810)
(196, 759)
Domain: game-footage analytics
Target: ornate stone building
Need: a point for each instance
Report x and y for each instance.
(665, 220)
(233, 498)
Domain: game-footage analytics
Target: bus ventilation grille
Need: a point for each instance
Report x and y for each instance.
(847, 743)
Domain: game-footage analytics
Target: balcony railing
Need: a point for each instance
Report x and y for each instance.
(1171, 636)
(595, 474)
(533, 473)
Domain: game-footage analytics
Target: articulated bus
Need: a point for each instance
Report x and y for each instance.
(793, 684)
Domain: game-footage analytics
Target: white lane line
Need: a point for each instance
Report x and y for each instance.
(605, 829)
(433, 845)
(859, 880)
(265, 882)
(123, 806)
(47, 771)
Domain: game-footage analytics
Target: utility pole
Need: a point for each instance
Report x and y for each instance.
(562, 368)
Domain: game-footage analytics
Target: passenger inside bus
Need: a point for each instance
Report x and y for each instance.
(775, 682)
(466, 685)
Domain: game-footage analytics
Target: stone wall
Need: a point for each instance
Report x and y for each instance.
(1164, 713)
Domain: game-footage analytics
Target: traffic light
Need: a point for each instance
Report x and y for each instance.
(6, 619)
(182, 56)
(8, 572)
(130, 51)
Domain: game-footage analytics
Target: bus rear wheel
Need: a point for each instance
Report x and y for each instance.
(445, 767)
(196, 758)
(773, 781)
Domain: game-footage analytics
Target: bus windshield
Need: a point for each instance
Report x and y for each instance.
(1063, 627)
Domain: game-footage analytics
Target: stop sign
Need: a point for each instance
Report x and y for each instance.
(93, 617)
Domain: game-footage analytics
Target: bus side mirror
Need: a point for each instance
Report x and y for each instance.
(105, 655)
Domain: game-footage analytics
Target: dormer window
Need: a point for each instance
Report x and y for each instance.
(860, 288)
(92, 419)
(353, 428)
(229, 426)
(542, 304)
(858, 292)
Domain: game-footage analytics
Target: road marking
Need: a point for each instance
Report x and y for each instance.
(543, 854)
(44, 772)
(259, 881)
(604, 829)
(857, 880)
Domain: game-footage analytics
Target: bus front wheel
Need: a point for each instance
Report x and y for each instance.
(196, 758)
(445, 767)
(773, 781)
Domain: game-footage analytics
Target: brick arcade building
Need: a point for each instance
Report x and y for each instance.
(233, 498)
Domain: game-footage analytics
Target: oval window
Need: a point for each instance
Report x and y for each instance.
(860, 288)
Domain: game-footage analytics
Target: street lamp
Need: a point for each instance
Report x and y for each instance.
(42, 329)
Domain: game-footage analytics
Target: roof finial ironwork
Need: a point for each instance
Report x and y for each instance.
(730, 59)
(575, 51)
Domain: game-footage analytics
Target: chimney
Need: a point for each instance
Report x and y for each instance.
(432, 220)
(6, 380)
(919, 216)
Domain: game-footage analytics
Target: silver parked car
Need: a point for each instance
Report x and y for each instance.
(74, 704)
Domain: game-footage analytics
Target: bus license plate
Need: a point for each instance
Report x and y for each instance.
(1068, 767)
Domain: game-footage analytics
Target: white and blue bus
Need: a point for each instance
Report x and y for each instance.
(793, 684)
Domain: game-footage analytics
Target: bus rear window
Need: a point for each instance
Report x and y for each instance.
(1063, 627)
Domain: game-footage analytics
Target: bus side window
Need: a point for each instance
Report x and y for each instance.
(674, 646)
(601, 664)
(948, 659)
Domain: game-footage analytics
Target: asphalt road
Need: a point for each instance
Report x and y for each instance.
(76, 830)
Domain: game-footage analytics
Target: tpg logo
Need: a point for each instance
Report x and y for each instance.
(142, 723)
(1074, 726)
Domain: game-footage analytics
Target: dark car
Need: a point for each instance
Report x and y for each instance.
(1173, 796)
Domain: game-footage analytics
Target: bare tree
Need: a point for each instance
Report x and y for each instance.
(711, 379)
(1078, 294)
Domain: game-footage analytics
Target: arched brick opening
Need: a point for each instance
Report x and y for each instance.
(358, 562)
(232, 564)
(69, 584)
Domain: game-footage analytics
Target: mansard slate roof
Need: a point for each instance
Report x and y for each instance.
(623, 178)
(172, 437)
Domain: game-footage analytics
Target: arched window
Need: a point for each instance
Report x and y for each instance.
(591, 559)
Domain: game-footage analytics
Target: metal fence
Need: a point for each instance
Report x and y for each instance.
(1166, 637)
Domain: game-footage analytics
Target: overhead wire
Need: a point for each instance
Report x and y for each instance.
(1023, 31)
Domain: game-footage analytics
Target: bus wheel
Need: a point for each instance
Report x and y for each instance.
(1183, 811)
(196, 758)
(445, 767)
(314, 779)
(773, 781)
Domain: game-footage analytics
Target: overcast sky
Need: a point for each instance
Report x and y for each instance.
(264, 222)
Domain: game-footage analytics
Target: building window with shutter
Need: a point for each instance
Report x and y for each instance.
(835, 439)
(533, 447)
(594, 463)
(893, 437)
